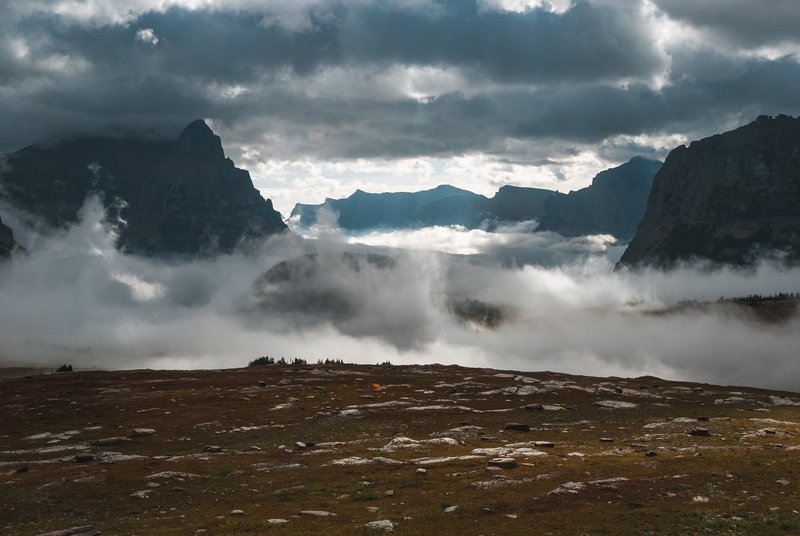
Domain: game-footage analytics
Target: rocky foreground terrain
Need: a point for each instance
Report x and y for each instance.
(353, 449)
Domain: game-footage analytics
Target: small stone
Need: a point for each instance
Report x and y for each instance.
(651, 453)
(544, 444)
(698, 389)
(782, 482)
(493, 468)
(534, 407)
(140, 432)
(700, 499)
(700, 432)
(488, 438)
(212, 449)
(237, 512)
(23, 469)
(178, 489)
(517, 426)
(503, 463)
(384, 524)
(140, 494)
(606, 440)
(299, 445)
(702, 419)
(389, 493)
(262, 384)
(277, 521)
(450, 509)
(254, 447)
(422, 471)
(84, 458)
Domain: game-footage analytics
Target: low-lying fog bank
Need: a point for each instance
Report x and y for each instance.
(405, 297)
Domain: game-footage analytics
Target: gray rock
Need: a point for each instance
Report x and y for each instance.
(384, 524)
(212, 449)
(237, 512)
(422, 471)
(314, 513)
(140, 432)
(700, 432)
(503, 463)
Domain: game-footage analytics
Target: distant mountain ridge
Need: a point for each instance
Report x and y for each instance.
(184, 197)
(726, 199)
(613, 204)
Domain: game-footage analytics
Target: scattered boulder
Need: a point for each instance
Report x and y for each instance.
(314, 513)
(421, 471)
(517, 426)
(450, 509)
(140, 432)
(237, 512)
(651, 453)
(84, 457)
(700, 432)
(606, 440)
(384, 524)
(277, 521)
(544, 444)
(503, 463)
(299, 445)
(212, 449)
(615, 404)
(534, 407)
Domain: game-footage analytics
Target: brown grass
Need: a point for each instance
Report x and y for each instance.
(736, 475)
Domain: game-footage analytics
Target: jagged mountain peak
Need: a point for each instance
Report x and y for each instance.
(198, 140)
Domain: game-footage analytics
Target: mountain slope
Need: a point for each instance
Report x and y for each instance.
(726, 198)
(6, 240)
(183, 197)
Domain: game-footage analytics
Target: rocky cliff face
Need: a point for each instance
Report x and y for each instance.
(183, 197)
(613, 204)
(6, 241)
(728, 199)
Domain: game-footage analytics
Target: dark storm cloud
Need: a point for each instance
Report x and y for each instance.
(562, 81)
(742, 21)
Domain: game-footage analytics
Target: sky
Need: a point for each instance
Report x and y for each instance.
(317, 98)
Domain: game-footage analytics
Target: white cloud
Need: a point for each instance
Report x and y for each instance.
(146, 35)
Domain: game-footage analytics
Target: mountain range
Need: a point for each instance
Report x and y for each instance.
(613, 204)
(728, 199)
(184, 197)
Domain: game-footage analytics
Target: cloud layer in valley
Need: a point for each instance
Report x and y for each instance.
(74, 298)
(320, 97)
